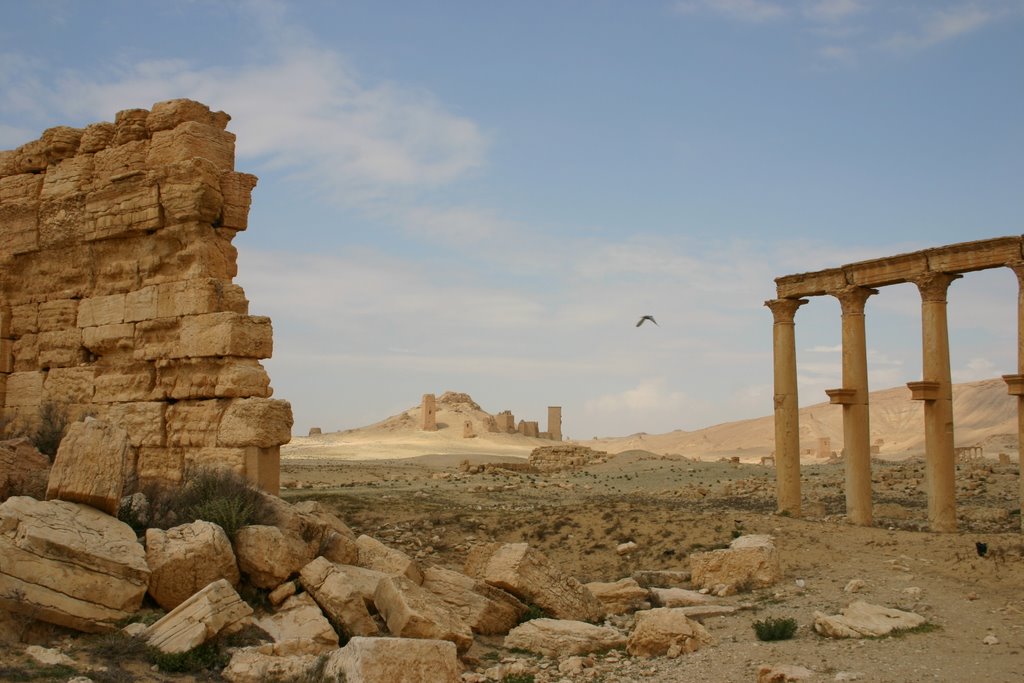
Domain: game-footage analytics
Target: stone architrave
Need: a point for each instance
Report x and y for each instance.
(185, 559)
(562, 637)
(215, 609)
(394, 660)
(90, 465)
(665, 631)
(344, 594)
(429, 409)
(487, 610)
(528, 575)
(412, 611)
(749, 562)
(69, 564)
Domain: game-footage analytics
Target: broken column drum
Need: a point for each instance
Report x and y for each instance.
(932, 270)
(116, 292)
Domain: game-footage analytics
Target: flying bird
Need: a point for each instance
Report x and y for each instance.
(647, 317)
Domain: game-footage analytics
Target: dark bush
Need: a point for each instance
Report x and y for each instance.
(220, 496)
(775, 629)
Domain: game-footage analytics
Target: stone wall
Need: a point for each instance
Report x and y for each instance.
(116, 293)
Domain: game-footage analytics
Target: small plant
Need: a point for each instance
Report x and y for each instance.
(518, 678)
(775, 629)
(53, 423)
(220, 496)
(204, 657)
(533, 612)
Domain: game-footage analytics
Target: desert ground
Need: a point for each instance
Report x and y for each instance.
(414, 490)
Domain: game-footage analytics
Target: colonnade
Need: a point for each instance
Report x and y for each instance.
(932, 270)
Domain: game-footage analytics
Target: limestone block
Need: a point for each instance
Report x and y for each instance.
(263, 468)
(56, 273)
(213, 457)
(268, 556)
(185, 559)
(116, 161)
(190, 191)
(141, 304)
(25, 388)
(560, 638)
(101, 310)
(864, 620)
(375, 555)
(130, 125)
(262, 663)
(131, 203)
(528, 575)
(334, 539)
(19, 226)
(749, 562)
(57, 314)
(785, 673)
(394, 660)
(486, 609)
(6, 355)
(60, 221)
(23, 469)
(161, 465)
(159, 338)
(90, 466)
(193, 423)
(679, 597)
(343, 593)
(122, 383)
(225, 334)
(412, 611)
(170, 114)
(110, 340)
(620, 597)
(300, 620)
(115, 264)
(665, 631)
(8, 163)
(96, 137)
(191, 139)
(214, 609)
(186, 251)
(198, 296)
(142, 420)
(69, 385)
(70, 178)
(22, 188)
(236, 189)
(61, 348)
(25, 353)
(24, 319)
(260, 422)
(69, 564)
(59, 143)
(31, 157)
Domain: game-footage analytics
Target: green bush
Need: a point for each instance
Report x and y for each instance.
(220, 496)
(775, 629)
(53, 423)
(533, 612)
(207, 656)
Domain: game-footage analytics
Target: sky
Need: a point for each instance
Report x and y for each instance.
(484, 197)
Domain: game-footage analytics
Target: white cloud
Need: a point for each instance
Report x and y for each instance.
(940, 26)
(826, 349)
(833, 10)
(651, 402)
(742, 10)
(975, 369)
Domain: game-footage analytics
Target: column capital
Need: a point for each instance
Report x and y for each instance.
(933, 285)
(784, 310)
(852, 298)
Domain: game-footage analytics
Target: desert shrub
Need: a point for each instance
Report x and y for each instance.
(208, 656)
(775, 629)
(533, 612)
(518, 678)
(53, 423)
(220, 496)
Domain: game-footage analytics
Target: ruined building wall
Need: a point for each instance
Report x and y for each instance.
(116, 293)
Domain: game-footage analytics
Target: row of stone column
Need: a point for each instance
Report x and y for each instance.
(935, 389)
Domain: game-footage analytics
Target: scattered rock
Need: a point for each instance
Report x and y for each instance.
(620, 597)
(749, 562)
(557, 637)
(187, 558)
(394, 660)
(665, 631)
(213, 610)
(861, 619)
(782, 673)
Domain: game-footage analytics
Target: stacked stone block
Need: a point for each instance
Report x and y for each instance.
(116, 293)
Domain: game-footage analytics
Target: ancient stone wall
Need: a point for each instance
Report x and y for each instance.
(116, 293)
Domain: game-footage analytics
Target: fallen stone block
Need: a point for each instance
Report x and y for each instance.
(749, 562)
(394, 660)
(862, 620)
(375, 555)
(257, 665)
(69, 564)
(560, 637)
(679, 597)
(783, 673)
(620, 597)
(343, 593)
(269, 556)
(90, 465)
(213, 610)
(665, 632)
(300, 621)
(187, 558)
(487, 610)
(412, 611)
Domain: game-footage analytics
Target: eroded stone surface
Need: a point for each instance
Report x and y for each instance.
(187, 558)
(559, 637)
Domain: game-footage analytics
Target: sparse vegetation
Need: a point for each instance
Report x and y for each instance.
(207, 657)
(220, 496)
(53, 424)
(518, 678)
(533, 612)
(775, 629)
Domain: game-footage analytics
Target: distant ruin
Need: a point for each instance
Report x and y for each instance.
(502, 423)
(116, 293)
(932, 270)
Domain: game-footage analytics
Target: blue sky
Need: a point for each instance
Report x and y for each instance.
(485, 196)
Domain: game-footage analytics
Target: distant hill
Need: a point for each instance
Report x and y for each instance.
(984, 414)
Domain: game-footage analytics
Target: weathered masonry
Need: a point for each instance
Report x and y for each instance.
(932, 270)
(116, 293)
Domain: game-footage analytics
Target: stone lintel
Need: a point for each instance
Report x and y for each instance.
(810, 284)
(1014, 384)
(969, 256)
(924, 391)
(842, 396)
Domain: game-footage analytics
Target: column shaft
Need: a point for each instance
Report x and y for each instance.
(940, 459)
(787, 419)
(1018, 269)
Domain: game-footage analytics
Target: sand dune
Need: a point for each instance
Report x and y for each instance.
(983, 414)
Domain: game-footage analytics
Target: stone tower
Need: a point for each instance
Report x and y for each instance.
(555, 422)
(429, 410)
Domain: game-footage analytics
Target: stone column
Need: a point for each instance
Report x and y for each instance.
(854, 399)
(555, 422)
(1015, 383)
(937, 393)
(429, 410)
(787, 419)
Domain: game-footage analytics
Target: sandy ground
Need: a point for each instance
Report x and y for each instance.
(671, 506)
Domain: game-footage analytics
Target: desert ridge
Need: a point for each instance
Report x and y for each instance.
(983, 413)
